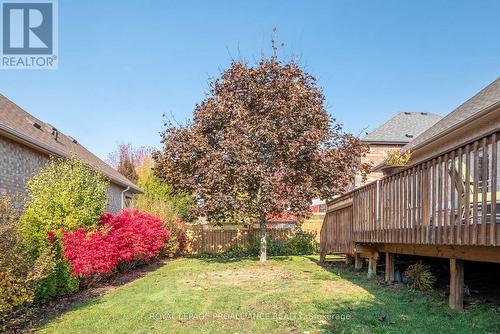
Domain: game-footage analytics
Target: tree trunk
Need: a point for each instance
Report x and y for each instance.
(263, 241)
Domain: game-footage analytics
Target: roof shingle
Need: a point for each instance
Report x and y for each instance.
(402, 128)
(487, 97)
(21, 124)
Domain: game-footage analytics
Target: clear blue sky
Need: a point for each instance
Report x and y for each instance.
(122, 64)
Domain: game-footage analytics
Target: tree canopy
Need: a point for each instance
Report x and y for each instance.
(261, 143)
(126, 159)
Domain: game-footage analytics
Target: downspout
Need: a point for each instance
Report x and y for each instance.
(123, 197)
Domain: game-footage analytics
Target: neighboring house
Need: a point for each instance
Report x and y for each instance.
(318, 206)
(26, 143)
(398, 131)
(311, 224)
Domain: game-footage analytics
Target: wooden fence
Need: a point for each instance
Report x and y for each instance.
(313, 225)
(336, 233)
(206, 239)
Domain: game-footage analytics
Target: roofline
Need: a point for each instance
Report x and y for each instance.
(449, 130)
(381, 142)
(41, 147)
(340, 202)
(378, 166)
(458, 125)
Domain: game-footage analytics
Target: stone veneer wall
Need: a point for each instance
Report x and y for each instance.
(18, 163)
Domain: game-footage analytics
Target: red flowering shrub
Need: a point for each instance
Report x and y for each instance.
(89, 252)
(136, 235)
(127, 236)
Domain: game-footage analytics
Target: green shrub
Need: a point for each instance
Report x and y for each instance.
(235, 251)
(277, 247)
(254, 248)
(302, 243)
(64, 194)
(420, 276)
(59, 280)
(19, 271)
(156, 189)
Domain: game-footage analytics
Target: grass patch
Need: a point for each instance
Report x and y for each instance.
(284, 295)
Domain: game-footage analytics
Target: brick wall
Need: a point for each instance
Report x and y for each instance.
(18, 163)
(375, 156)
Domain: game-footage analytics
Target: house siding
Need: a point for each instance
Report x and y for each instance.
(114, 198)
(18, 163)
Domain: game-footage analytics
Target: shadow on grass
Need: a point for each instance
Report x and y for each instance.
(36, 316)
(377, 309)
(395, 308)
(365, 305)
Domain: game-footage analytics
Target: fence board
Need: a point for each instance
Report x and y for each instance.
(336, 234)
(208, 240)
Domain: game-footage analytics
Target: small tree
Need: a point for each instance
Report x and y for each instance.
(126, 160)
(260, 143)
(65, 195)
(158, 200)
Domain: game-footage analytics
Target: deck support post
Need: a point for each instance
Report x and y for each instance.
(358, 262)
(389, 267)
(456, 284)
(322, 255)
(372, 266)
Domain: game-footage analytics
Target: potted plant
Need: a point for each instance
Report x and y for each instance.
(397, 158)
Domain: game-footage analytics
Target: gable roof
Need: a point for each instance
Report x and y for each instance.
(486, 98)
(402, 128)
(23, 127)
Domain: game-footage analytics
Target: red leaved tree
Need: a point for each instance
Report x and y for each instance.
(126, 159)
(261, 143)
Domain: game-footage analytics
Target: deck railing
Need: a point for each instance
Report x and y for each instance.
(451, 199)
(336, 232)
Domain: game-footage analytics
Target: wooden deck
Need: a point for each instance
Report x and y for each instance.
(452, 199)
(445, 206)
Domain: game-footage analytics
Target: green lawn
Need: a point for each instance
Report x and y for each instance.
(285, 295)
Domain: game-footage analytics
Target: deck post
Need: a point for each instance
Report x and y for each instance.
(358, 262)
(456, 284)
(322, 255)
(389, 267)
(372, 266)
